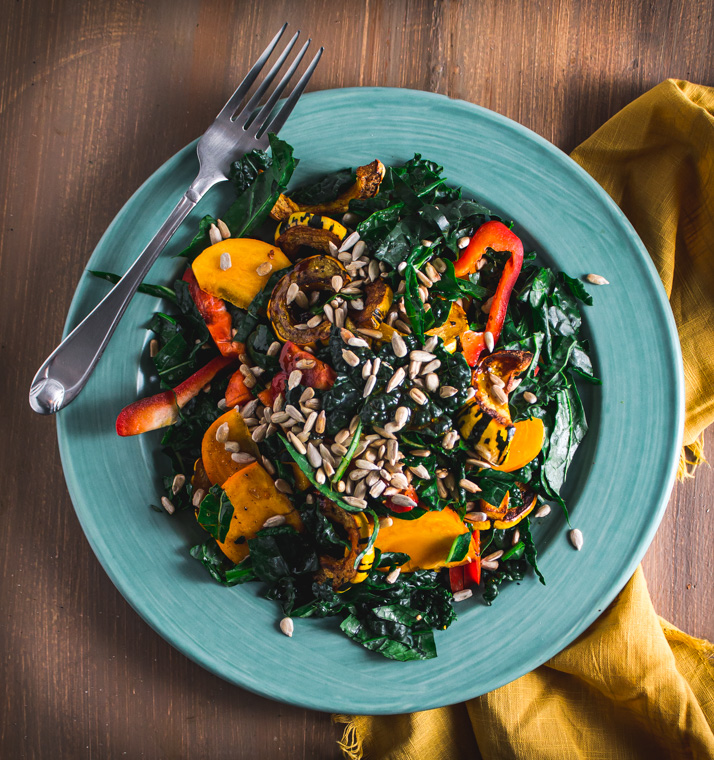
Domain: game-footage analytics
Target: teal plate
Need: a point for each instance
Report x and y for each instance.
(617, 489)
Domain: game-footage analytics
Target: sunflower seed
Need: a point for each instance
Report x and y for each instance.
(369, 386)
(328, 468)
(178, 483)
(499, 394)
(198, 495)
(369, 333)
(293, 290)
(493, 556)
(432, 382)
(355, 502)
(153, 347)
(418, 396)
(225, 261)
(396, 379)
(576, 538)
(302, 326)
(348, 242)
(531, 398)
(393, 575)
(447, 391)
(470, 393)
(287, 626)
(350, 357)
(312, 418)
(313, 456)
(314, 321)
(356, 342)
(269, 466)
(167, 505)
(399, 480)
(398, 345)
(373, 270)
(283, 486)
(516, 537)
(222, 432)
(430, 367)
(259, 433)
(365, 464)
(496, 380)
(475, 517)
(543, 511)
(400, 324)
(320, 423)
(265, 268)
(222, 404)
(345, 257)
(376, 491)
(274, 521)
(462, 242)
(596, 279)
(441, 490)
(231, 446)
(294, 379)
(488, 340)
(427, 243)
(479, 463)
(360, 489)
(367, 369)
(449, 439)
(359, 249)
(489, 565)
(301, 299)
(295, 413)
(421, 472)
(214, 234)
(401, 500)
(421, 356)
(460, 596)
(469, 485)
(297, 443)
(332, 248)
(353, 423)
(401, 416)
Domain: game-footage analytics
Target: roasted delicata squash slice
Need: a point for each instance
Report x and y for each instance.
(218, 463)
(427, 540)
(237, 269)
(311, 230)
(366, 185)
(516, 513)
(378, 297)
(453, 326)
(485, 422)
(341, 571)
(255, 499)
(311, 274)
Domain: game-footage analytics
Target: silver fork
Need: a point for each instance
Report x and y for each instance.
(67, 369)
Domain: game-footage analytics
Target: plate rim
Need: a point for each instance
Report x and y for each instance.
(315, 702)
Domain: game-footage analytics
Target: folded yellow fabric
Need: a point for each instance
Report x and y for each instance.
(632, 686)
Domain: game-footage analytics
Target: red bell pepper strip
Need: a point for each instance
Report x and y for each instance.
(456, 578)
(463, 576)
(215, 315)
(497, 237)
(237, 392)
(277, 386)
(320, 376)
(163, 408)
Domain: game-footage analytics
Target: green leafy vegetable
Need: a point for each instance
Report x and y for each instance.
(158, 291)
(215, 513)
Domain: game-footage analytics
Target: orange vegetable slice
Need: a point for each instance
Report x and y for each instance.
(525, 445)
(427, 540)
(217, 462)
(254, 498)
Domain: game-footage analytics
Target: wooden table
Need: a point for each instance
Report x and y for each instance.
(94, 97)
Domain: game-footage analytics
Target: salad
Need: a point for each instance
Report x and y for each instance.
(368, 393)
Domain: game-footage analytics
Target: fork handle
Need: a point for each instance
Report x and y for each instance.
(66, 370)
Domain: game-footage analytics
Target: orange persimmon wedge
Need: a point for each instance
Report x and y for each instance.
(217, 462)
(525, 445)
(254, 498)
(427, 540)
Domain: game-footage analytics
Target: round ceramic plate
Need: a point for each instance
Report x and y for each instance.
(617, 489)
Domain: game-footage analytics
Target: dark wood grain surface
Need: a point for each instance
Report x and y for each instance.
(94, 96)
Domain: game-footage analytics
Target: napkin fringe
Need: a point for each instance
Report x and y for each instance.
(690, 458)
(351, 742)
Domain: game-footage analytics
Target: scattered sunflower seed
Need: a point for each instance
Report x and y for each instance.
(462, 242)
(274, 521)
(489, 565)
(398, 345)
(401, 500)
(543, 511)
(447, 391)
(223, 229)
(531, 398)
(499, 394)
(516, 537)
(596, 279)
(418, 396)
(283, 486)
(353, 501)
(432, 382)
(396, 379)
(222, 432)
(274, 348)
(294, 379)
(432, 366)
(348, 242)
(265, 268)
(376, 491)
(350, 357)
(421, 472)
(356, 342)
(469, 485)
(314, 321)
(225, 261)
(460, 596)
(320, 423)
(178, 483)
(393, 575)
(167, 505)
(198, 495)
(301, 299)
(493, 556)
(369, 333)
(231, 446)
(475, 517)
(369, 386)
(287, 626)
(576, 538)
(488, 340)
(214, 234)
(259, 433)
(153, 347)
(297, 443)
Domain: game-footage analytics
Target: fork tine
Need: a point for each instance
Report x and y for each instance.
(252, 104)
(265, 111)
(281, 117)
(235, 99)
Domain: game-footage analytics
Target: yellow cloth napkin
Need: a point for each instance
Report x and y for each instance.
(632, 686)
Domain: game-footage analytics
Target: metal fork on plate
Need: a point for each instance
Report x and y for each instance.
(67, 369)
